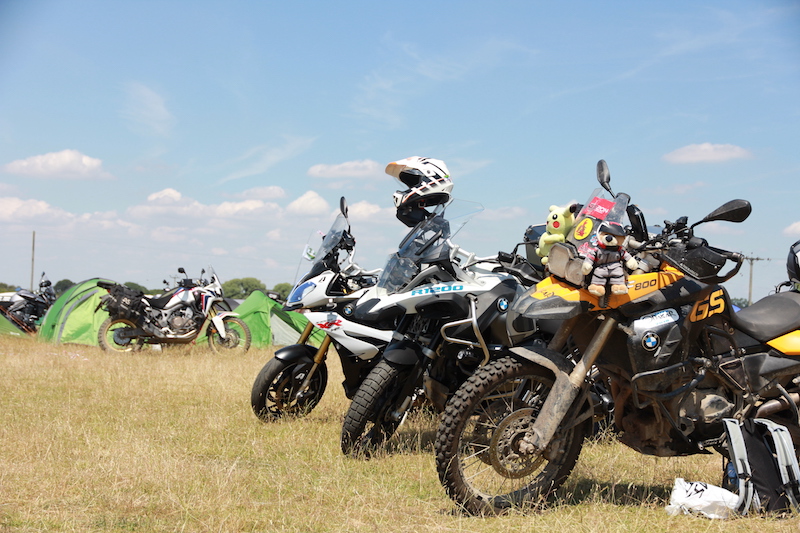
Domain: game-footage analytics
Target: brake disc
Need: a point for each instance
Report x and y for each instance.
(504, 453)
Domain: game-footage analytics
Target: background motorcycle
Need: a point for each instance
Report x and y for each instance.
(294, 381)
(451, 307)
(25, 309)
(177, 317)
(677, 357)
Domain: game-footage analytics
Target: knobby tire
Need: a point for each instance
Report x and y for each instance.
(274, 393)
(475, 444)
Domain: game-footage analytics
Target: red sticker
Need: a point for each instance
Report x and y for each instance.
(598, 208)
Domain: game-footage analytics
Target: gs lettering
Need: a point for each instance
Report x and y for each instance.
(713, 305)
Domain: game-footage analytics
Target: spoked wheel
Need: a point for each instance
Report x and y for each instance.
(275, 389)
(369, 421)
(478, 454)
(109, 338)
(237, 336)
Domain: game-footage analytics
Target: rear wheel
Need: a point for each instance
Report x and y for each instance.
(109, 336)
(369, 422)
(478, 457)
(237, 336)
(275, 389)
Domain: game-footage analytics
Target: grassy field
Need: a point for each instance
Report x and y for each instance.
(91, 441)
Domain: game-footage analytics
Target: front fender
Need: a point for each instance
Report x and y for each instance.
(296, 353)
(403, 352)
(219, 319)
(554, 361)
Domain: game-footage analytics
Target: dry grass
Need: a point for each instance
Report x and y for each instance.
(91, 441)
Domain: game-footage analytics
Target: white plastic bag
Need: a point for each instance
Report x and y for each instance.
(696, 497)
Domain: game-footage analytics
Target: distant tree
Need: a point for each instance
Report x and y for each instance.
(241, 288)
(136, 287)
(740, 302)
(5, 287)
(62, 285)
(283, 290)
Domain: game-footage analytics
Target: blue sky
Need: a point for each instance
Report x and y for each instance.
(140, 136)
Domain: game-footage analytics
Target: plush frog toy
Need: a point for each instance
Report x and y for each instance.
(606, 259)
(559, 222)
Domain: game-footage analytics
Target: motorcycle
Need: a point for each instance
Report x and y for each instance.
(294, 380)
(180, 316)
(451, 308)
(25, 309)
(677, 357)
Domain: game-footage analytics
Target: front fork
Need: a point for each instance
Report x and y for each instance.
(566, 388)
(319, 357)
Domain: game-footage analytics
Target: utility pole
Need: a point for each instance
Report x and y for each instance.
(33, 253)
(751, 260)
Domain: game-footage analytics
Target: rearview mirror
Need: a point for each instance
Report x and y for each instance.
(343, 206)
(733, 211)
(604, 176)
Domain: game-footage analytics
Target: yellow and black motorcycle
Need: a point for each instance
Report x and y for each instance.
(676, 356)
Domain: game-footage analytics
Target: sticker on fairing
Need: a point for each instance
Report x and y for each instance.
(598, 208)
(652, 321)
(583, 229)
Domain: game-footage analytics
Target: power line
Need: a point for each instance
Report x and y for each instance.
(752, 260)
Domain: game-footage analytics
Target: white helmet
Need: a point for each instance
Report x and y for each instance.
(428, 182)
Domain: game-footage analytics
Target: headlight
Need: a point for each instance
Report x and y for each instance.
(299, 292)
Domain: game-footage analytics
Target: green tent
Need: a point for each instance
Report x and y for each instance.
(270, 325)
(72, 317)
(8, 328)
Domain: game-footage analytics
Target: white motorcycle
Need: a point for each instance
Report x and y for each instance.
(180, 316)
(450, 306)
(294, 381)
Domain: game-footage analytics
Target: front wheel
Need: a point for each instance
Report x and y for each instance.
(275, 390)
(370, 421)
(478, 457)
(109, 338)
(237, 336)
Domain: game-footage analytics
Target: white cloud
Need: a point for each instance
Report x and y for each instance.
(364, 211)
(146, 110)
(171, 203)
(67, 164)
(707, 153)
(792, 230)
(269, 192)
(350, 169)
(165, 196)
(15, 210)
(261, 158)
(310, 203)
(227, 209)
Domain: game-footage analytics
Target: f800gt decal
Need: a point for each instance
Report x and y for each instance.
(436, 289)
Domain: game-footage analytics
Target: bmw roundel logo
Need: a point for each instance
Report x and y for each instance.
(502, 305)
(347, 310)
(650, 341)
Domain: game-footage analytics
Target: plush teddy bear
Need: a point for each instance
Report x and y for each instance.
(559, 222)
(606, 259)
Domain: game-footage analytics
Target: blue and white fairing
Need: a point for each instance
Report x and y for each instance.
(424, 260)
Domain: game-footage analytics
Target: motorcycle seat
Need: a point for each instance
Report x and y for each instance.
(770, 317)
(160, 302)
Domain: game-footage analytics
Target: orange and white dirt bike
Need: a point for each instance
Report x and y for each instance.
(676, 355)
